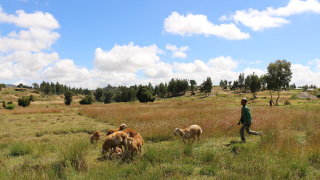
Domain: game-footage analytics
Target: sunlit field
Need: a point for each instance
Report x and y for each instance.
(49, 140)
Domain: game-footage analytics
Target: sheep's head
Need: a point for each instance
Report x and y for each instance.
(123, 126)
(176, 131)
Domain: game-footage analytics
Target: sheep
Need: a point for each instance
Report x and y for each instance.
(97, 135)
(189, 132)
(114, 140)
(132, 133)
(135, 144)
(116, 154)
(122, 127)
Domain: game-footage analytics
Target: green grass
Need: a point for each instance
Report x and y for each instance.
(40, 142)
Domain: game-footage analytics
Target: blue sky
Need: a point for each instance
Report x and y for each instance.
(93, 44)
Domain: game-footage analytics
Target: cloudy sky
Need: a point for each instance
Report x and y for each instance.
(95, 43)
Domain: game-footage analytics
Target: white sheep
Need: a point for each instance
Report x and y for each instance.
(189, 132)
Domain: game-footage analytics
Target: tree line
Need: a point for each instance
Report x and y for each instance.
(278, 77)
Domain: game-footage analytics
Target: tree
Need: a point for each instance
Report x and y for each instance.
(108, 97)
(89, 99)
(241, 81)
(24, 101)
(144, 95)
(279, 75)
(255, 84)
(207, 86)
(193, 84)
(68, 97)
(2, 86)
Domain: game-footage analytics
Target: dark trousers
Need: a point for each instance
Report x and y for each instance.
(246, 127)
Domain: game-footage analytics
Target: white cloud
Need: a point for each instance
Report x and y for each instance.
(177, 52)
(269, 18)
(223, 63)
(199, 24)
(126, 58)
(315, 62)
(160, 70)
(34, 20)
(258, 72)
(302, 75)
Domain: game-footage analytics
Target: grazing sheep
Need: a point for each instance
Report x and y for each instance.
(132, 133)
(122, 127)
(189, 132)
(117, 154)
(97, 135)
(114, 140)
(136, 144)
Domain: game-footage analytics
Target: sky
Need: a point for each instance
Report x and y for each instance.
(91, 44)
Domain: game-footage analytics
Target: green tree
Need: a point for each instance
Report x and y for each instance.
(279, 75)
(241, 81)
(193, 84)
(207, 86)
(24, 101)
(108, 97)
(144, 95)
(255, 84)
(68, 97)
(89, 99)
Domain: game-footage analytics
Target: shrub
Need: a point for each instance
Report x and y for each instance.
(19, 149)
(287, 102)
(4, 104)
(32, 98)
(24, 101)
(10, 106)
(144, 95)
(318, 95)
(68, 97)
(87, 100)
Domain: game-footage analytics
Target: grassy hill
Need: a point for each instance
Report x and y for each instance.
(49, 140)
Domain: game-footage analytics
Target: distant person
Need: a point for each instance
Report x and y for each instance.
(270, 102)
(246, 120)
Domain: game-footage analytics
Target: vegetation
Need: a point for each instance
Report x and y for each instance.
(89, 99)
(68, 97)
(144, 95)
(24, 101)
(206, 86)
(54, 141)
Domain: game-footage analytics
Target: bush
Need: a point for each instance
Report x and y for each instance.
(144, 95)
(10, 106)
(4, 104)
(87, 100)
(318, 95)
(287, 102)
(24, 101)
(68, 97)
(10, 102)
(32, 98)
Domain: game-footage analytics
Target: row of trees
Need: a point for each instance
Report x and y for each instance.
(277, 78)
(57, 89)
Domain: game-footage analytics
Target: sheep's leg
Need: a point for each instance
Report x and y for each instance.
(184, 141)
(194, 138)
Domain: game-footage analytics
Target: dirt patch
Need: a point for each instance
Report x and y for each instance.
(306, 95)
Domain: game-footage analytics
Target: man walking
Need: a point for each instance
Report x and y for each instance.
(246, 120)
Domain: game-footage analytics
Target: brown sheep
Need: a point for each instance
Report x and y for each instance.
(114, 140)
(136, 144)
(132, 133)
(122, 127)
(97, 135)
(189, 132)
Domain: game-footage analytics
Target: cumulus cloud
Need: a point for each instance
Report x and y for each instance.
(126, 58)
(199, 24)
(315, 62)
(177, 52)
(34, 20)
(302, 75)
(271, 17)
(160, 70)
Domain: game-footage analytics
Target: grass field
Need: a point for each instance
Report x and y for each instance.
(49, 140)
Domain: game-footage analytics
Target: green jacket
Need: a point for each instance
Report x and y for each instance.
(245, 115)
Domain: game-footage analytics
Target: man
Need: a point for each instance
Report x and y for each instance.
(270, 102)
(246, 120)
